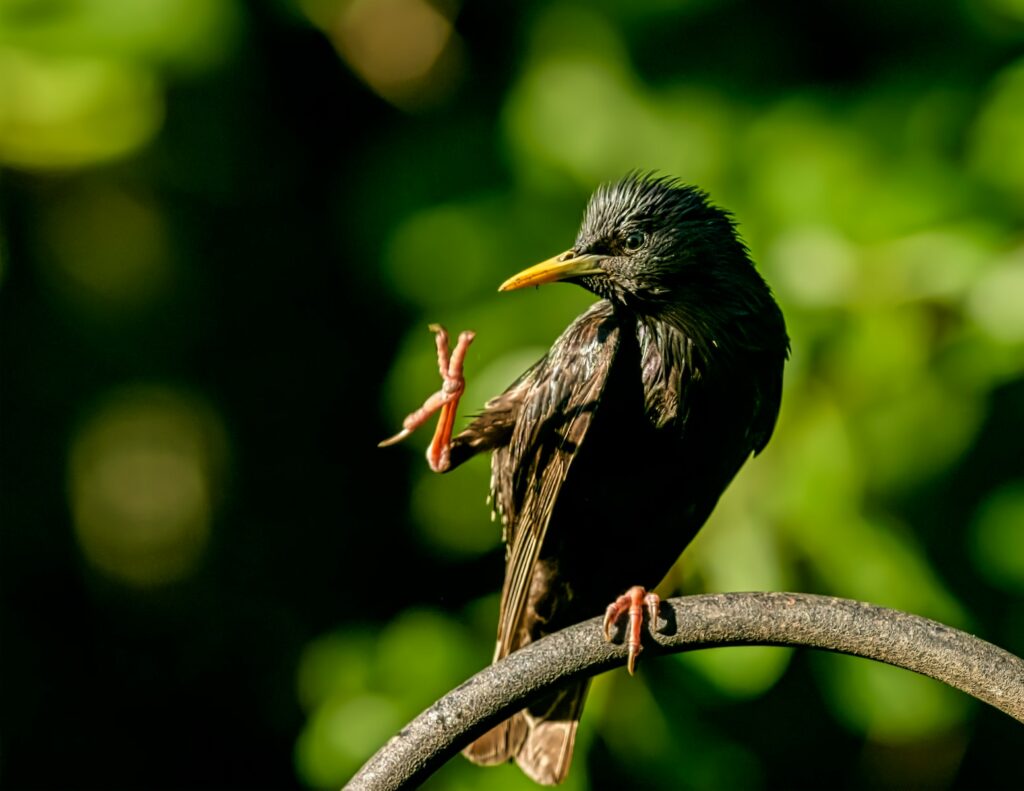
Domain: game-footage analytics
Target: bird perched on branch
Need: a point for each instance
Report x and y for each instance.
(611, 451)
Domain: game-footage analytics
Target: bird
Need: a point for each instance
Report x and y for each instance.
(611, 451)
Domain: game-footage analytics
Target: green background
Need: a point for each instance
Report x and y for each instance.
(225, 227)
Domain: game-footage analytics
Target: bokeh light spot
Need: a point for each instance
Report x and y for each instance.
(445, 656)
(579, 109)
(63, 112)
(816, 266)
(441, 256)
(144, 475)
(187, 35)
(739, 673)
(405, 50)
(342, 734)
(109, 250)
(996, 302)
(451, 515)
(337, 664)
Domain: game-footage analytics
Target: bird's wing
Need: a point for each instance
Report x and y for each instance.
(555, 404)
(551, 724)
(539, 738)
(558, 399)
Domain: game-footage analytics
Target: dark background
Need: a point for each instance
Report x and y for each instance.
(224, 229)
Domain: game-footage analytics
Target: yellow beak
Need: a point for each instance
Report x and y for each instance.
(561, 267)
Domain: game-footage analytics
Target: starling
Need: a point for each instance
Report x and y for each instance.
(610, 452)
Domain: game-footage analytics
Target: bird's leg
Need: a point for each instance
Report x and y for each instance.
(632, 601)
(446, 400)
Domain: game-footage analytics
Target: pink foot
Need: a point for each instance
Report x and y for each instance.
(445, 400)
(632, 601)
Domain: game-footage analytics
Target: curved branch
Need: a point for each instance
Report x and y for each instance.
(897, 638)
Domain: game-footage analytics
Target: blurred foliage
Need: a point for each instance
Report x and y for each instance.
(225, 228)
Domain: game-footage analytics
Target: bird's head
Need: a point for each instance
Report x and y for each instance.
(654, 245)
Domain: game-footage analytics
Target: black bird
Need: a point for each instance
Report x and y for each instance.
(611, 451)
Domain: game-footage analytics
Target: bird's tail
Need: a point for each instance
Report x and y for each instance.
(539, 738)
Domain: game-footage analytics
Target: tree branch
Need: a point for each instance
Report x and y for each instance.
(781, 619)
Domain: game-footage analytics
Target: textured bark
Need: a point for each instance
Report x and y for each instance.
(959, 659)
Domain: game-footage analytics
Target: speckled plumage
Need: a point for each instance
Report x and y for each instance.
(612, 450)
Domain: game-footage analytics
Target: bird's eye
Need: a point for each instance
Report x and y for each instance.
(635, 241)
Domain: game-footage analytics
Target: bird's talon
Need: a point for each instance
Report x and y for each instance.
(445, 400)
(634, 652)
(633, 602)
(384, 443)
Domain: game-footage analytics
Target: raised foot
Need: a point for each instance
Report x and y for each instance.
(632, 601)
(446, 400)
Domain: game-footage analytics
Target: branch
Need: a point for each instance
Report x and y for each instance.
(781, 619)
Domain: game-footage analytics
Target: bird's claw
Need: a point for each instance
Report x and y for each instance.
(633, 602)
(405, 432)
(445, 400)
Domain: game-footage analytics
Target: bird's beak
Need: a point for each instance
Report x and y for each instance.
(561, 267)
